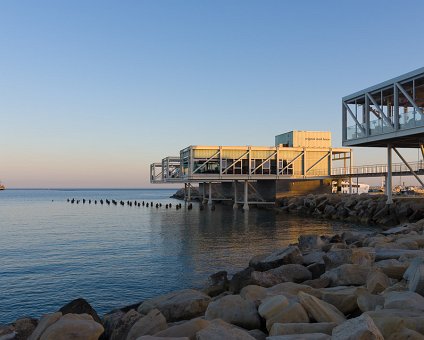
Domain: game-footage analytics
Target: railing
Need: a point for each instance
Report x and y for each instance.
(377, 169)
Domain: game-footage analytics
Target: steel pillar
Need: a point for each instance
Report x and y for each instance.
(246, 196)
(189, 192)
(389, 175)
(210, 194)
(235, 206)
(185, 192)
(204, 193)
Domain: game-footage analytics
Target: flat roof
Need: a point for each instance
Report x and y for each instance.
(386, 83)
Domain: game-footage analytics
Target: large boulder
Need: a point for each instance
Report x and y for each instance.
(342, 297)
(415, 276)
(219, 329)
(150, 324)
(367, 301)
(308, 242)
(45, 322)
(302, 328)
(272, 305)
(348, 275)
(404, 300)
(24, 327)
(313, 257)
(377, 281)
(187, 329)
(306, 336)
(123, 325)
(286, 273)
(254, 293)
(240, 280)
(80, 306)
(180, 305)
(276, 259)
(292, 313)
(235, 310)
(218, 283)
(360, 256)
(319, 310)
(362, 327)
(75, 327)
(392, 268)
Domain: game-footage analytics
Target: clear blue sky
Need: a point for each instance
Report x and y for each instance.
(92, 92)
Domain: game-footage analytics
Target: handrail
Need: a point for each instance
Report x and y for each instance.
(376, 169)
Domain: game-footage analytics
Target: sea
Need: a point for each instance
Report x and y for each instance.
(53, 251)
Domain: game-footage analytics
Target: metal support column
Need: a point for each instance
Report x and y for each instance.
(188, 192)
(389, 175)
(210, 194)
(235, 206)
(246, 196)
(185, 192)
(204, 193)
(350, 173)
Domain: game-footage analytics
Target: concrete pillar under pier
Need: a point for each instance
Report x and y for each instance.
(389, 175)
(210, 194)
(235, 205)
(246, 196)
(185, 192)
(189, 192)
(204, 200)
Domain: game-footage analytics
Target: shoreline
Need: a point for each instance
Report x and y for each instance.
(320, 286)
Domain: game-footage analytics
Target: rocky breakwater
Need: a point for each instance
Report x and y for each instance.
(365, 208)
(343, 286)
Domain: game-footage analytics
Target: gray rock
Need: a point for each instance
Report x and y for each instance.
(307, 242)
(288, 255)
(415, 278)
(180, 305)
(302, 328)
(348, 275)
(24, 327)
(313, 257)
(293, 313)
(404, 300)
(377, 281)
(235, 310)
(187, 329)
(308, 336)
(45, 322)
(319, 310)
(286, 273)
(367, 301)
(218, 330)
(392, 268)
(240, 280)
(150, 324)
(362, 327)
(124, 324)
(341, 297)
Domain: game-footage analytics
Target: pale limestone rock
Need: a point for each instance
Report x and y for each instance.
(285, 273)
(235, 310)
(272, 305)
(150, 324)
(342, 297)
(416, 279)
(180, 305)
(348, 275)
(392, 268)
(293, 313)
(299, 328)
(73, 327)
(390, 321)
(291, 289)
(367, 301)
(186, 329)
(253, 293)
(360, 328)
(377, 282)
(45, 322)
(319, 310)
(218, 330)
(406, 333)
(404, 300)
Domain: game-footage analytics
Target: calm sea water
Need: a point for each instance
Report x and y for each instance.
(52, 251)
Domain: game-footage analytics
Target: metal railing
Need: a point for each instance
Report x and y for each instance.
(377, 169)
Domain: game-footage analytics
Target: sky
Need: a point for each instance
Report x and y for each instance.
(92, 92)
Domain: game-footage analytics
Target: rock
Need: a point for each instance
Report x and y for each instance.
(406, 333)
(257, 334)
(322, 282)
(415, 277)
(313, 257)
(390, 321)
(348, 275)
(307, 242)
(150, 324)
(299, 328)
(218, 283)
(45, 322)
(362, 327)
(288, 255)
(335, 258)
(404, 300)
(316, 269)
(385, 254)
(24, 327)
(187, 329)
(343, 298)
(377, 282)
(235, 310)
(308, 336)
(414, 264)
(400, 286)
(404, 229)
(124, 324)
(367, 301)
(293, 313)
(218, 330)
(151, 337)
(291, 289)
(75, 327)
(254, 293)
(363, 256)
(286, 273)
(240, 280)
(110, 322)
(7, 332)
(272, 305)
(319, 310)
(392, 268)
(80, 306)
(180, 305)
